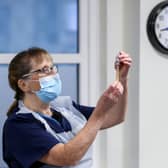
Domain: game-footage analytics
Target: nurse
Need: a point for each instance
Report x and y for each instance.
(46, 130)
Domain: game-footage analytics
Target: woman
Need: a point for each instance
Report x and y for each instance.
(44, 129)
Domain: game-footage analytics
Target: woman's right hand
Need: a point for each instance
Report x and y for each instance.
(109, 97)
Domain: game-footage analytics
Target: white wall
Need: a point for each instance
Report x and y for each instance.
(112, 28)
(153, 98)
(141, 142)
(123, 34)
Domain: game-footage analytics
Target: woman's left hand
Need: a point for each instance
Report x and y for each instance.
(125, 62)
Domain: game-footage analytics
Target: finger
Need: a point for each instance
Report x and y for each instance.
(116, 94)
(109, 90)
(113, 98)
(118, 88)
(121, 58)
(112, 88)
(126, 63)
(125, 59)
(122, 54)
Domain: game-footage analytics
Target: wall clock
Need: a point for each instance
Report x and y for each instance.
(157, 27)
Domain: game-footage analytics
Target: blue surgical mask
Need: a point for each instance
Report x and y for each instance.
(50, 88)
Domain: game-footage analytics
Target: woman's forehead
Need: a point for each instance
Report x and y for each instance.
(41, 63)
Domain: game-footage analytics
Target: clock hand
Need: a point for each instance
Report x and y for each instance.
(164, 29)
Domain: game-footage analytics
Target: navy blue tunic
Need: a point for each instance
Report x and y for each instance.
(25, 139)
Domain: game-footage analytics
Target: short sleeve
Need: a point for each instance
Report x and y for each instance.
(85, 110)
(26, 141)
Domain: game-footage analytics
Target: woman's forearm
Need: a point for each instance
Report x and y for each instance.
(116, 114)
(72, 152)
(97, 121)
(77, 147)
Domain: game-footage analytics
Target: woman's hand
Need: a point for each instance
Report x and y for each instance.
(109, 97)
(125, 62)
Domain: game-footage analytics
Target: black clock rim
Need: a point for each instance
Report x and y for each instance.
(151, 27)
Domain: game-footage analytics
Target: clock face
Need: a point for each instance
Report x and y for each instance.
(161, 27)
(157, 27)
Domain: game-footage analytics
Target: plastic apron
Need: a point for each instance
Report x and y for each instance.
(63, 104)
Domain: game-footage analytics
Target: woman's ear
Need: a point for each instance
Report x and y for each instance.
(23, 85)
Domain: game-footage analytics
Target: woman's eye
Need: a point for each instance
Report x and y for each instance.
(40, 70)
